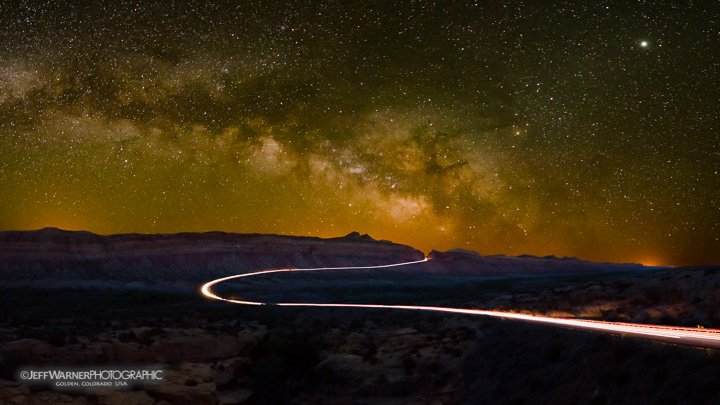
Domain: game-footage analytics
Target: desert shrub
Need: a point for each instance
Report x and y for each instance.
(409, 364)
(599, 399)
(519, 400)
(54, 336)
(277, 359)
(625, 349)
(536, 384)
(623, 378)
(8, 365)
(653, 293)
(370, 351)
(127, 337)
(554, 351)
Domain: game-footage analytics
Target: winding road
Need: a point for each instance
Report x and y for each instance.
(679, 335)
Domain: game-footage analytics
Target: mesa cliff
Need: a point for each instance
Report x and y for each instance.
(51, 253)
(461, 261)
(54, 253)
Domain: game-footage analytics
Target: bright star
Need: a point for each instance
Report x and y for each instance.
(644, 44)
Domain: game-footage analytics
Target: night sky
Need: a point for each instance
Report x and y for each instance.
(586, 128)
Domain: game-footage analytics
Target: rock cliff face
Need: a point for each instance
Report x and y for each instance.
(55, 253)
(52, 253)
(460, 261)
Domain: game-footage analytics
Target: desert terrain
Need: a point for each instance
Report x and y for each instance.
(71, 299)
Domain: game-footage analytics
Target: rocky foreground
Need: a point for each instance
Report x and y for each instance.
(53, 313)
(217, 354)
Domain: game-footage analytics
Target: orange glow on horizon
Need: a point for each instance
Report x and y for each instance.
(652, 261)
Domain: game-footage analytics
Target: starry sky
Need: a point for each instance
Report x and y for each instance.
(568, 128)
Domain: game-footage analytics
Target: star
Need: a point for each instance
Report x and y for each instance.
(238, 118)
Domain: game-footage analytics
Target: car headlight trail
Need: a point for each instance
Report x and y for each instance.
(681, 335)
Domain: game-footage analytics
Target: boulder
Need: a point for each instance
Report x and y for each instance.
(13, 393)
(29, 350)
(239, 397)
(121, 398)
(228, 370)
(52, 398)
(128, 353)
(196, 345)
(189, 384)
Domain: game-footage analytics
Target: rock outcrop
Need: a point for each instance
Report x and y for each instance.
(29, 350)
(54, 253)
(50, 257)
(186, 345)
(460, 261)
(189, 384)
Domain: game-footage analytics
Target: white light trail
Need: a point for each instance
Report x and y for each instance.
(674, 334)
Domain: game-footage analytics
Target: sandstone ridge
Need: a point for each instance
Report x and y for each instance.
(461, 261)
(55, 253)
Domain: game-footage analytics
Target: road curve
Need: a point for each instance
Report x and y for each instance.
(673, 334)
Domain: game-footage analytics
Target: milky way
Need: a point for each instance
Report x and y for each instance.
(586, 129)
